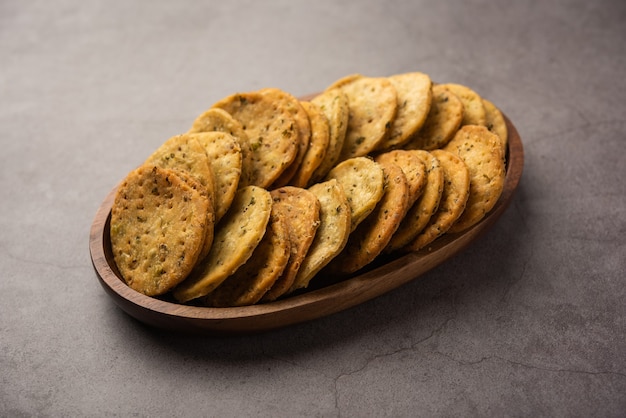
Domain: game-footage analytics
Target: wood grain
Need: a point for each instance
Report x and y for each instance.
(325, 299)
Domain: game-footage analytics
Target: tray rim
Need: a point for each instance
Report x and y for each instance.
(302, 307)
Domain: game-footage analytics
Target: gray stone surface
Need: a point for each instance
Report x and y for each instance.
(529, 321)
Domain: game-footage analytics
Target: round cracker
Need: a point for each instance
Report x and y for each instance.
(473, 109)
(495, 123)
(373, 103)
(334, 104)
(331, 236)
(315, 154)
(224, 153)
(271, 130)
(301, 211)
(420, 213)
(236, 237)
(184, 153)
(363, 183)
(443, 120)
(210, 221)
(414, 101)
(481, 151)
(284, 100)
(218, 120)
(252, 280)
(373, 234)
(158, 227)
(456, 186)
(413, 167)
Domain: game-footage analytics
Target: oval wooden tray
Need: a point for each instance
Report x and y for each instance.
(320, 301)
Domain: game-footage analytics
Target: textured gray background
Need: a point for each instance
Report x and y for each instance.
(529, 321)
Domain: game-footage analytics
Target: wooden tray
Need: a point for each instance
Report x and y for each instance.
(320, 301)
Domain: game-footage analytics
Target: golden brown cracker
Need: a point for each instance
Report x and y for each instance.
(301, 211)
(236, 237)
(413, 167)
(224, 153)
(158, 227)
(332, 234)
(495, 123)
(456, 186)
(253, 279)
(185, 154)
(473, 109)
(318, 145)
(272, 132)
(373, 103)
(414, 91)
(443, 120)
(218, 120)
(420, 213)
(284, 100)
(481, 150)
(371, 237)
(210, 221)
(334, 104)
(363, 183)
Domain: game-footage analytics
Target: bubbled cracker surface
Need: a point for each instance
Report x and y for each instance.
(474, 111)
(271, 130)
(252, 280)
(414, 92)
(373, 103)
(495, 123)
(444, 119)
(373, 234)
(456, 186)
(284, 100)
(481, 151)
(363, 182)
(318, 145)
(423, 209)
(236, 237)
(218, 120)
(334, 104)
(413, 167)
(301, 211)
(224, 153)
(158, 226)
(332, 234)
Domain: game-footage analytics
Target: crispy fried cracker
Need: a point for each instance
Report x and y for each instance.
(318, 145)
(236, 237)
(373, 103)
(252, 280)
(218, 120)
(334, 104)
(373, 234)
(224, 153)
(481, 151)
(473, 109)
(419, 214)
(272, 132)
(158, 227)
(301, 211)
(414, 101)
(332, 234)
(443, 120)
(455, 194)
(363, 182)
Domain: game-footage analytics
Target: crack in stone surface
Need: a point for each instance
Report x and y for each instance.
(413, 346)
(529, 366)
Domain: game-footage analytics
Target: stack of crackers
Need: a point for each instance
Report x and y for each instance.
(266, 191)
